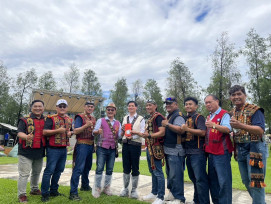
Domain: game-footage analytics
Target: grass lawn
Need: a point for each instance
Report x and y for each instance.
(8, 194)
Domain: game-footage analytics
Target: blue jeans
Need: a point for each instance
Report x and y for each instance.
(196, 167)
(220, 178)
(174, 170)
(55, 165)
(83, 164)
(158, 179)
(257, 194)
(105, 156)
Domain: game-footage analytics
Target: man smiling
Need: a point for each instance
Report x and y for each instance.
(249, 124)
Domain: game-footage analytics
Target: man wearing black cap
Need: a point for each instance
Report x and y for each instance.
(174, 151)
(83, 127)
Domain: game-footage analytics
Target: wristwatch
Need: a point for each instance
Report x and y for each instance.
(167, 125)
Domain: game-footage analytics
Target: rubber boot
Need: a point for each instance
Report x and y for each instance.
(126, 181)
(107, 184)
(96, 191)
(134, 194)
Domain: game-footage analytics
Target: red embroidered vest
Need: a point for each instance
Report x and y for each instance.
(60, 140)
(86, 135)
(217, 142)
(34, 126)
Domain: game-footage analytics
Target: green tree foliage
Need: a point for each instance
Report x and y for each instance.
(24, 83)
(256, 54)
(152, 91)
(181, 84)
(71, 78)
(8, 106)
(119, 96)
(92, 87)
(47, 81)
(225, 73)
(137, 89)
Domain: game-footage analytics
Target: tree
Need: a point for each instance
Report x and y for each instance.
(71, 78)
(92, 87)
(119, 96)
(47, 81)
(256, 54)
(137, 89)
(152, 91)
(24, 83)
(225, 73)
(181, 83)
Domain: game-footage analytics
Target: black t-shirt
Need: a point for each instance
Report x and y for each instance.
(158, 121)
(30, 153)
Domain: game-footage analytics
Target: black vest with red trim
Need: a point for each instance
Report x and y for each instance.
(217, 142)
(87, 133)
(193, 141)
(36, 129)
(60, 140)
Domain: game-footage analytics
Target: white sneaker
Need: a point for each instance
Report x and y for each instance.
(176, 201)
(158, 201)
(149, 197)
(169, 197)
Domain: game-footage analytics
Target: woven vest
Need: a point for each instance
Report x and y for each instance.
(86, 135)
(217, 142)
(34, 126)
(136, 127)
(60, 140)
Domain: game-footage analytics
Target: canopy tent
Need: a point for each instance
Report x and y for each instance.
(76, 102)
(7, 126)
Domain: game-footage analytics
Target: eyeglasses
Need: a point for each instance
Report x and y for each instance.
(110, 110)
(62, 106)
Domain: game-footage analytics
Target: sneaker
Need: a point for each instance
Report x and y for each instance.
(169, 197)
(22, 198)
(88, 188)
(55, 194)
(149, 196)
(35, 192)
(158, 201)
(124, 192)
(74, 197)
(45, 198)
(176, 201)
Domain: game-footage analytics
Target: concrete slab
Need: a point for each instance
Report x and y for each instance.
(239, 197)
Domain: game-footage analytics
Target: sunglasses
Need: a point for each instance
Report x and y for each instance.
(62, 106)
(109, 109)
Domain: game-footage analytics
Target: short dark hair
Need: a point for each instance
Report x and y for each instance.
(214, 97)
(36, 101)
(189, 98)
(237, 88)
(133, 103)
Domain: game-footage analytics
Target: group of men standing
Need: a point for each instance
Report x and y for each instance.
(177, 138)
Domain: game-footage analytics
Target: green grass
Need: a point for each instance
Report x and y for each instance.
(8, 194)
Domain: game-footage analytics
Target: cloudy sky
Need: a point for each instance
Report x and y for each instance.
(120, 38)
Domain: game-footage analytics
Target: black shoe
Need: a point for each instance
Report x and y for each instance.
(74, 197)
(88, 188)
(45, 198)
(55, 194)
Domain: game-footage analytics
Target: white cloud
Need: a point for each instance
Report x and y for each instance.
(131, 39)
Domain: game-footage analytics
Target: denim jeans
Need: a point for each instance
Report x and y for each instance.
(105, 156)
(196, 167)
(55, 165)
(83, 164)
(257, 194)
(158, 179)
(220, 178)
(174, 170)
